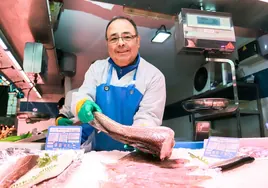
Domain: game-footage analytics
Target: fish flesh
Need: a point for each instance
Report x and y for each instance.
(17, 170)
(144, 158)
(149, 139)
(135, 170)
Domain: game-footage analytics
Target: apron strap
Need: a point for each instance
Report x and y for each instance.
(110, 73)
(138, 63)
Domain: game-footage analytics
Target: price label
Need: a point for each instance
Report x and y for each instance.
(63, 137)
(222, 147)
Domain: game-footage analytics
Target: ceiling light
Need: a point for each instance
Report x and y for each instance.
(15, 62)
(2, 44)
(266, 1)
(103, 5)
(31, 84)
(25, 76)
(37, 93)
(161, 35)
(5, 80)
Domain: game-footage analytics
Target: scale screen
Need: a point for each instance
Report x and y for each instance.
(212, 22)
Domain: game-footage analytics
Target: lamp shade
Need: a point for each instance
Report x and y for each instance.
(161, 35)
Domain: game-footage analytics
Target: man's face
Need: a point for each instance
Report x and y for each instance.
(122, 50)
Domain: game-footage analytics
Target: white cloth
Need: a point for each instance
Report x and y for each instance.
(150, 81)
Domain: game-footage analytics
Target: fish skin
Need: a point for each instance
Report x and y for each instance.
(17, 170)
(157, 140)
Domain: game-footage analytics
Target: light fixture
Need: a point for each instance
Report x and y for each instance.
(161, 35)
(17, 65)
(2, 44)
(12, 58)
(25, 76)
(37, 93)
(102, 4)
(5, 80)
(266, 1)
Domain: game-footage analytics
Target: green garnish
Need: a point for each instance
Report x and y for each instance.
(46, 160)
(15, 138)
(199, 158)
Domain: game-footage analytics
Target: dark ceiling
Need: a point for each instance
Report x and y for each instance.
(246, 13)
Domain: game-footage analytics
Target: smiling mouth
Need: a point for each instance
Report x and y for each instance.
(123, 52)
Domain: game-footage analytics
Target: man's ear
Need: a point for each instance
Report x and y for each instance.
(138, 40)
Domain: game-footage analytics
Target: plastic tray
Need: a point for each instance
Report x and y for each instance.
(189, 145)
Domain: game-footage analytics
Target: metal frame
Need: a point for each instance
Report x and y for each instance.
(236, 99)
(231, 63)
(261, 122)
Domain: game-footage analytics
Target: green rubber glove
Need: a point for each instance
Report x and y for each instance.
(139, 151)
(128, 147)
(64, 121)
(85, 114)
(131, 148)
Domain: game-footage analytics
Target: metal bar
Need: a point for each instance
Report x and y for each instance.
(261, 123)
(194, 128)
(221, 60)
(238, 124)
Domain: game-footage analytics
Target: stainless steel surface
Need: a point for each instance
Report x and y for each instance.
(261, 118)
(236, 100)
(193, 37)
(32, 117)
(219, 60)
(21, 115)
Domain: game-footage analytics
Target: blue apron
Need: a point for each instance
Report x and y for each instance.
(86, 131)
(119, 104)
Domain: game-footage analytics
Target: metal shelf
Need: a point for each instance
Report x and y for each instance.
(224, 115)
(246, 91)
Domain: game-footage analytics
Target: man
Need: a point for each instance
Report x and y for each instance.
(60, 103)
(65, 114)
(66, 117)
(124, 87)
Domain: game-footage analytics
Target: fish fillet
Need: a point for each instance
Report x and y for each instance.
(17, 170)
(150, 139)
(40, 174)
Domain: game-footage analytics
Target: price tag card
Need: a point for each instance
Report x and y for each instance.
(221, 147)
(63, 137)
